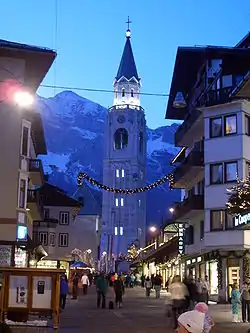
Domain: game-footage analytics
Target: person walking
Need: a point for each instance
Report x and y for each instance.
(206, 289)
(179, 293)
(119, 290)
(157, 285)
(85, 283)
(75, 286)
(245, 302)
(148, 286)
(64, 288)
(101, 289)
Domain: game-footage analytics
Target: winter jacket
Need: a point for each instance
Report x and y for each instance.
(64, 287)
(102, 284)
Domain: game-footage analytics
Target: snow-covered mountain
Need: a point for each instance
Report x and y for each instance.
(74, 129)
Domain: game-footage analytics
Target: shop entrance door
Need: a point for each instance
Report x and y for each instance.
(233, 275)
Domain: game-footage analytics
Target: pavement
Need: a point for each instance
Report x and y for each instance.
(138, 314)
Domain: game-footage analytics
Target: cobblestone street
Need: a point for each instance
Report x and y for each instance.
(138, 315)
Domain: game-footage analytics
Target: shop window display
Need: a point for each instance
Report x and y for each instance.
(213, 278)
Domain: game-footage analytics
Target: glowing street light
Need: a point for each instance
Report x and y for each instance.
(23, 98)
(89, 251)
(153, 229)
(171, 210)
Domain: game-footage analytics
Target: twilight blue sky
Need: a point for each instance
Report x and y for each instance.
(91, 37)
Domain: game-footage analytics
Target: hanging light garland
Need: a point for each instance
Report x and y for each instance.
(83, 176)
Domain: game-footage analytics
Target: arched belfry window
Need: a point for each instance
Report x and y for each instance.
(123, 92)
(132, 92)
(120, 138)
(141, 142)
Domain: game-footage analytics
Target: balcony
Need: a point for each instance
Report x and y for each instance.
(228, 239)
(190, 130)
(36, 173)
(45, 224)
(34, 204)
(188, 208)
(215, 97)
(189, 168)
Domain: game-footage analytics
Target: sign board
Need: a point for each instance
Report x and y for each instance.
(5, 255)
(241, 219)
(42, 292)
(18, 292)
(181, 246)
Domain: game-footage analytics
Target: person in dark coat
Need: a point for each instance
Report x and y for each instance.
(119, 290)
(101, 289)
(75, 286)
(64, 288)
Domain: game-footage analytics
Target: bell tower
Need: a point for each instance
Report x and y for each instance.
(124, 164)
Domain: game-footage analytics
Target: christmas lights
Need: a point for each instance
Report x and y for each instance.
(239, 197)
(94, 182)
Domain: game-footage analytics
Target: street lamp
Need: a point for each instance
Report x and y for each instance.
(171, 210)
(23, 98)
(153, 229)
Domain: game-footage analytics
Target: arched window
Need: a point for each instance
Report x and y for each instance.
(132, 92)
(120, 138)
(123, 92)
(141, 142)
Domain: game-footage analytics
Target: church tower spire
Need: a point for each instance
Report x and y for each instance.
(127, 82)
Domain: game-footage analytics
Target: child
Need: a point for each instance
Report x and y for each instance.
(208, 321)
(235, 301)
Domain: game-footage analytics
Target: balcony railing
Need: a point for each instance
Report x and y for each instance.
(194, 202)
(194, 159)
(35, 166)
(46, 223)
(33, 197)
(214, 97)
(186, 125)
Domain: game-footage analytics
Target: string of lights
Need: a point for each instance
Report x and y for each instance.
(84, 176)
(53, 86)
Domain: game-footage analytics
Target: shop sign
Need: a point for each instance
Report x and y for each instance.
(5, 255)
(181, 239)
(241, 219)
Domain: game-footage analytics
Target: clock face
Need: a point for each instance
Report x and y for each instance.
(121, 119)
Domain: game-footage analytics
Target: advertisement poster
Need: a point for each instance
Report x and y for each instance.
(42, 292)
(18, 293)
(5, 255)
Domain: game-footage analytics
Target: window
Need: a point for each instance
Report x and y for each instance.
(230, 172)
(122, 202)
(215, 127)
(229, 221)
(25, 141)
(247, 125)
(141, 142)
(217, 218)
(117, 173)
(63, 240)
(64, 218)
(202, 227)
(43, 238)
(123, 92)
(123, 173)
(22, 193)
(120, 138)
(116, 231)
(46, 213)
(139, 202)
(52, 239)
(116, 202)
(227, 81)
(121, 231)
(230, 124)
(216, 173)
(132, 92)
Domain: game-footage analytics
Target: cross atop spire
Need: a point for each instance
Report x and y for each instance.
(128, 22)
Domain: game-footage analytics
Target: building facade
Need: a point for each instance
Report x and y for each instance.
(214, 141)
(55, 232)
(22, 68)
(124, 165)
